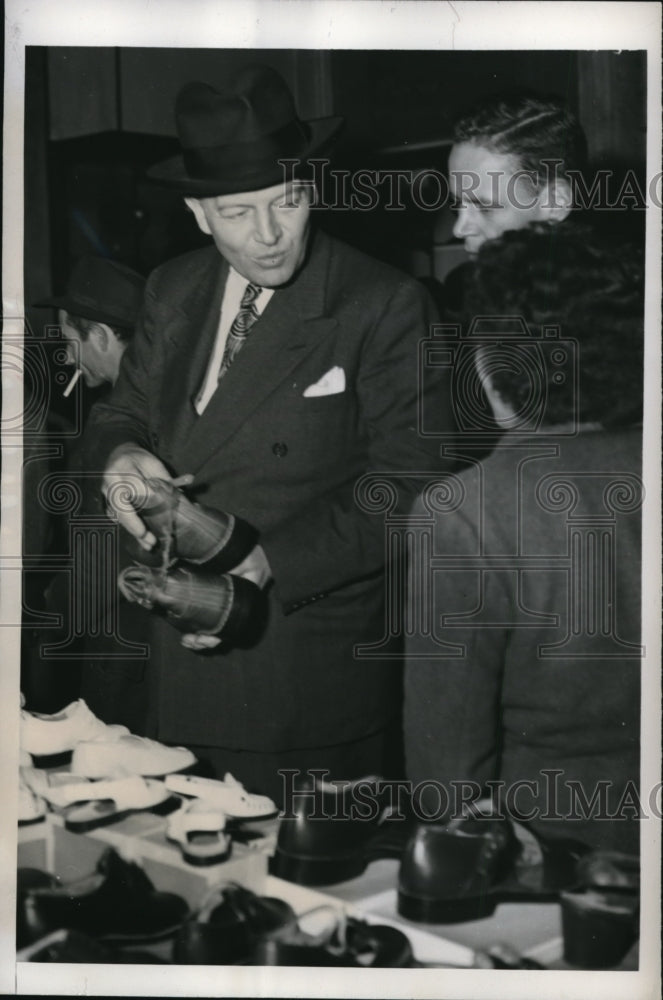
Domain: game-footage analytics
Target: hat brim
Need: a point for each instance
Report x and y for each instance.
(76, 308)
(172, 173)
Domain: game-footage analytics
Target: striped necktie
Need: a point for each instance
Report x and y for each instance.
(241, 327)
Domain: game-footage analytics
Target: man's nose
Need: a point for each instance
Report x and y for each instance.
(463, 224)
(268, 230)
(69, 358)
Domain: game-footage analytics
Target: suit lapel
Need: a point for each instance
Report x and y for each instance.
(288, 330)
(191, 333)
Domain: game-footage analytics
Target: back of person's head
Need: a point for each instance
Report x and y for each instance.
(563, 276)
(534, 129)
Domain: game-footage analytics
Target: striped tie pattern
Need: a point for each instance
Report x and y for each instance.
(241, 327)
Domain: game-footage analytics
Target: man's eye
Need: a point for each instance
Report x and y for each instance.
(232, 213)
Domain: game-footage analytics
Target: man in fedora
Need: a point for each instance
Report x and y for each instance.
(98, 313)
(276, 368)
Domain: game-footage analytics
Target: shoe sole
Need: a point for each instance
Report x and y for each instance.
(33, 819)
(106, 819)
(118, 937)
(201, 862)
(445, 911)
(316, 871)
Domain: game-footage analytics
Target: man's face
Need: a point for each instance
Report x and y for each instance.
(490, 197)
(85, 354)
(262, 234)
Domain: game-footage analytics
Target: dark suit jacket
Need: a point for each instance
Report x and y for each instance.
(531, 663)
(288, 464)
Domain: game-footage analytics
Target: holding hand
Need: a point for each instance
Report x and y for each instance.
(124, 488)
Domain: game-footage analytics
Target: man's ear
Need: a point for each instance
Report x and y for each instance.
(100, 333)
(195, 206)
(556, 201)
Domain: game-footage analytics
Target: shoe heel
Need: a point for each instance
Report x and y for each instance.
(445, 911)
(51, 760)
(316, 871)
(200, 862)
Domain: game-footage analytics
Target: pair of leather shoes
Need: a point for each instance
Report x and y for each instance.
(116, 903)
(199, 535)
(229, 926)
(184, 576)
(330, 831)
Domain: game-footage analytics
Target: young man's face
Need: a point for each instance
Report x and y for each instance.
(490, 197)
(85, 354)
(262, 234)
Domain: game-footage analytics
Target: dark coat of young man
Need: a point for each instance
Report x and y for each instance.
(325, 389)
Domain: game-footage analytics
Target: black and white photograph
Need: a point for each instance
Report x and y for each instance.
(331, 499)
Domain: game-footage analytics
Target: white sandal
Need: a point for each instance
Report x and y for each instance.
(86, 805)
(198, 828)
(228, 795)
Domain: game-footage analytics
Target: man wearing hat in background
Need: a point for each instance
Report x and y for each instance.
(97, 314)
(276, 368)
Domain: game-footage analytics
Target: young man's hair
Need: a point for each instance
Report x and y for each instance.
(533, 129)
(83, 326)
(564, 276)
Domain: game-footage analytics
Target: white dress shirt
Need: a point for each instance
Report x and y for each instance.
(232, 299)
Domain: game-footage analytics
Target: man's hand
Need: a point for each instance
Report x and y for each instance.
(198, 641)
(123, 486)
(254, 568)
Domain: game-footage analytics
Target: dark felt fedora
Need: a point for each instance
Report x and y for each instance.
(232, 140)
(101, 290)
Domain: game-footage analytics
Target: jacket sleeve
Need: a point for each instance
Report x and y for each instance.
(124, 418)
(340, 537)
(454, 668)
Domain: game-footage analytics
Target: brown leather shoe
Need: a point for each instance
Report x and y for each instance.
(195, 601)
(448, 870)
(190, 531)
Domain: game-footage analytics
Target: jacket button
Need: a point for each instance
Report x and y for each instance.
(280, 449)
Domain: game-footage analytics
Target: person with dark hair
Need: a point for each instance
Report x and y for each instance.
(527, 682)
(513, 163)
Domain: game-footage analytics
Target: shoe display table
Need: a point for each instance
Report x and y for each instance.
(532, 930)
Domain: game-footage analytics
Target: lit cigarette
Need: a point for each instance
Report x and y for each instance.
(74, 379)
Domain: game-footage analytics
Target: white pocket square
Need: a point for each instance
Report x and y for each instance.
(331, 382)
